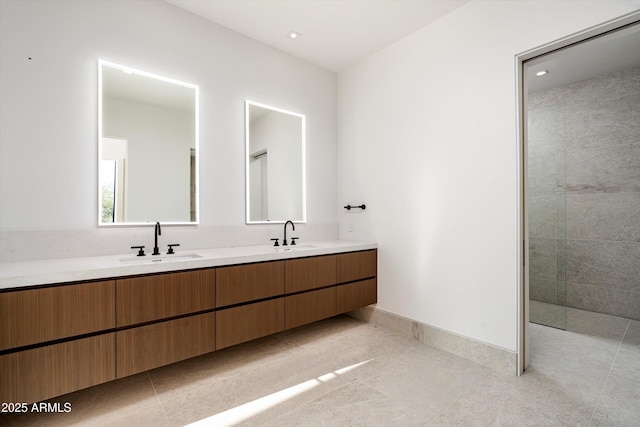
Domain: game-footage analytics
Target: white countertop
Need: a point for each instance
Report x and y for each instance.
(31, 273)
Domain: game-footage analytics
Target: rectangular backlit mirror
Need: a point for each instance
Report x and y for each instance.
(148, 148)
(275, 164)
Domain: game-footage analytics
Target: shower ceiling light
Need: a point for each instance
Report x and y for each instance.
(542, 73)
(294, 35)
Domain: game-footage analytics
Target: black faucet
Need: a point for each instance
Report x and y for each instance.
(293, 228)
(157, 232)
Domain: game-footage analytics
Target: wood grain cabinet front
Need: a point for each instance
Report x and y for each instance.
(39, 315)
(357, 294)
(245, 283)
(155, 297)
(304, 274)
(356, 266)
(311, 306)
(247, 322)
(45, 372)
(147, 347)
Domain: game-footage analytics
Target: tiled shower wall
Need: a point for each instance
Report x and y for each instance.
(584, 194)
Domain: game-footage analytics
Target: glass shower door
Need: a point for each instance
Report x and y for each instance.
(546, 204)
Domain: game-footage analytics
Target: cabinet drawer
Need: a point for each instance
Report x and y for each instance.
(249, 282)
(310, 306)
(356, 265)
(357, 294)
(144, 299)
(310, 273)
(45, 372)
(247, 322)
(151, 346)
(40, 315)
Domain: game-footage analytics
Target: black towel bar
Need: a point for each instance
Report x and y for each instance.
(349, 207)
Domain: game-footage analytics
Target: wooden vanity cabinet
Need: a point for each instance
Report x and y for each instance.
(310, 307)
(358, 272)
(151, 346)
(328, 285)
(54, 340)
(303, 274)
(35, 316)
(44, 372)
(248, 322)
(246, 294)
(63, 338)
(174, 314)
(161, 296)
(243, 283)
(356, 265)
(357, 294)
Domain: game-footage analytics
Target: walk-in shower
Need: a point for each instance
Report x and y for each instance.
(582, 190)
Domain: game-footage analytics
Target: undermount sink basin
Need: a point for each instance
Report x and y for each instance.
(294, 248)
(148, 259)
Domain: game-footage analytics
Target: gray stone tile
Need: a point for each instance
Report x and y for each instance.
(354, 404)
(603, 122)
(258, 395)
(607, 216)
(543, 259)
(599, 325)
(604, 300)
(605, 87)
(529, 400)
(219, 365)
(604, 169)
(542, 212)
(546, 127)
(543, 290)
(614, 265)
(618, 404)
(548, 314)
(632, 336)
(426, 391)
(128, 401)
(574, 361)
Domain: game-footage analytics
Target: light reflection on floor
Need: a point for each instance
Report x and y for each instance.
(244, 412)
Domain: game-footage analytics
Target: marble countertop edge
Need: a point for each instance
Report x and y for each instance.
(67, 270)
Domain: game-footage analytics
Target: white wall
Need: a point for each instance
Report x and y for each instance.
(48, 127)
(427, 139)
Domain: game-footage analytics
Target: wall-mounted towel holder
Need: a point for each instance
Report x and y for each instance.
(349, 207)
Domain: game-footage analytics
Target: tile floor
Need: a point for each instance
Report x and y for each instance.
(345, 372)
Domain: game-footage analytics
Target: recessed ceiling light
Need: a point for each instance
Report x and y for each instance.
(294, 34)
(542, 73)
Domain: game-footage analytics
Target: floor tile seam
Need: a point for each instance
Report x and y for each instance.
(600, 285)
(308, 344)
(155, 392)
(391, 398)
(310, 400)
(191, 387)
(604, 385)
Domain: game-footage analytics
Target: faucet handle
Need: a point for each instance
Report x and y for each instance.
(171, 245)
(293, 240)
(276, 242)
(140, 250)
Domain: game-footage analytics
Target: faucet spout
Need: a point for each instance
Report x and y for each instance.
(293, 228)
(157, 232)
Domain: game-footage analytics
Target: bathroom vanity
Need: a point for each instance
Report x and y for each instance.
(121, 316)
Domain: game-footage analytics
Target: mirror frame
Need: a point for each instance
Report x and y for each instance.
(247, 156)
(101, 64)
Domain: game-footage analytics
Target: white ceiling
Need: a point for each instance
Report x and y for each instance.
(335, 33)
(615, 51)
(339, 33)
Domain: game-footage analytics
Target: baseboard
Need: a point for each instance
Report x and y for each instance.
(482, 353)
